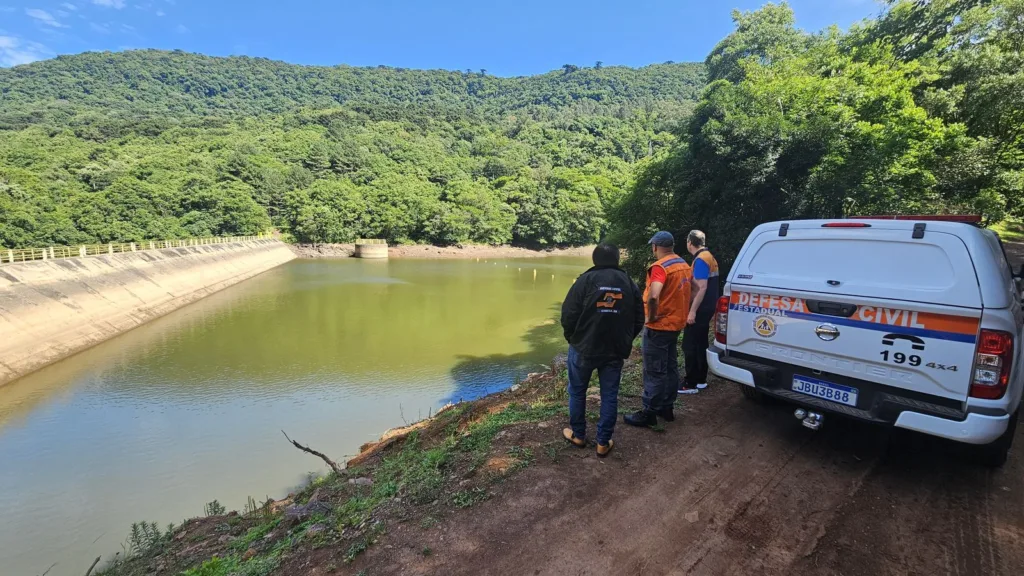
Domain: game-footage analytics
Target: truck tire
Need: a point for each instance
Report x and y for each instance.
(752, 394)
(994, 455)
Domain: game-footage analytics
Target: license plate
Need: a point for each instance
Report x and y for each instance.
(825, 390)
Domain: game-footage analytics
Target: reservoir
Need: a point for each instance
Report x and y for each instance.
(189, 408)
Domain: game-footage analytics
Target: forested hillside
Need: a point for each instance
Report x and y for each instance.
(148, 144)
(918, 111)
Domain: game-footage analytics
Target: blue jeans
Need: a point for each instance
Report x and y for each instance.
(661, 369)
(609, 371)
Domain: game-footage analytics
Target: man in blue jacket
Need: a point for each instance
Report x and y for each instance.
(601, 316)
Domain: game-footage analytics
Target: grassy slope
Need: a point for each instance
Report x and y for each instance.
(456, 460)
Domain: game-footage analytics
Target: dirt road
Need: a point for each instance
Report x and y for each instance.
(733, 488)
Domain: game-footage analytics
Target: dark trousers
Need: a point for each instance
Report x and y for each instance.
(695, 349)
(609, 372)
(661, 369)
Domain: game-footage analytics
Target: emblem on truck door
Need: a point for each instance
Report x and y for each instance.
(827, 332)
(765, 326)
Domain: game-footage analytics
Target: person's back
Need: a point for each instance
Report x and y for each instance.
(601, 316)
(609, 315)
(674, 300)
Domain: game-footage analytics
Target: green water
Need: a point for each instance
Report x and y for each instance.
(189, 408)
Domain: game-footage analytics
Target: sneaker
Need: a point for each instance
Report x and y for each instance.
(667, 415)
(577, 442)
(641, 418)
(702, 386)
(604, 450)
(684, 389)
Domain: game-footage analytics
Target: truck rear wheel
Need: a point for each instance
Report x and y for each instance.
(752, 394)
(994, 454)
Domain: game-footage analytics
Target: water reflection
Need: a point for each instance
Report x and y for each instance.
(477, 376)
(163, 419)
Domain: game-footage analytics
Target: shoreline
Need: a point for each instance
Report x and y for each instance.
(343, 513)
(427, 252)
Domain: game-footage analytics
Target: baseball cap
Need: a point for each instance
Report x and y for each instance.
(663, 239)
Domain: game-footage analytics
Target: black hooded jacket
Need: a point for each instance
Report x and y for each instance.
(603, 313)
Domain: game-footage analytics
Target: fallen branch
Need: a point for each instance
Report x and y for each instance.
(334, 465)
(50, 568)
(94, 563)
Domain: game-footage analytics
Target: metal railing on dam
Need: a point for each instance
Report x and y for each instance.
(10, 256)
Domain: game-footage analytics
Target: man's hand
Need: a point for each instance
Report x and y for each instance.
(691, 318)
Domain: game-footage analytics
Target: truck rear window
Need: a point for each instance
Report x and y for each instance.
(863, 262)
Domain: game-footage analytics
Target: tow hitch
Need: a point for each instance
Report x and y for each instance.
(811, 420)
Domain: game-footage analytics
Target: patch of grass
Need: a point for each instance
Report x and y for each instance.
(632, 383)
(480, 434)
(254, 534)
(146, 539)
(354, 511)
(523, 456)
(1009, 230)
(260, 566)
(214, 567)
(428, 522)
(357, 548)
(426, 551)
(417, 474)
(214, 509)
(468, 498)
(552, 451)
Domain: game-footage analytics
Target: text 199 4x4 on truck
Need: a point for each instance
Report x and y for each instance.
(914, 323)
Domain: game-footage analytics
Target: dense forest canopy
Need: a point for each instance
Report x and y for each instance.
(918, 111)
(104, 147)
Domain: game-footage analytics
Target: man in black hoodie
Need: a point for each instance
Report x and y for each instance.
(601, 316)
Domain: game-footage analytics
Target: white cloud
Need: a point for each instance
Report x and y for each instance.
(117, 4)
(15, 51)
(63, 14)
(101, 28)
(7, 8)
(181, 29)
(69, 6)
(161, 13)
(44, 17)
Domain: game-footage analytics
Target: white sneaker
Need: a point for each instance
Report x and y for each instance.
(687, 390)
(702, 386)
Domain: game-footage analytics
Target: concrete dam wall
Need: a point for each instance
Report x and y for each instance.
(52, 309)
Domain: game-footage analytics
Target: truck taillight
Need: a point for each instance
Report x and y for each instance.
(721, 319)
(992, 363)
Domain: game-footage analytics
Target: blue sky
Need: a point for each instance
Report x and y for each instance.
(506, 37)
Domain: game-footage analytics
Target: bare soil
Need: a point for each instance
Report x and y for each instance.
(731, 487)
(438, 252)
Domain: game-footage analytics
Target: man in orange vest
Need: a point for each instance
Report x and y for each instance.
(667, 306)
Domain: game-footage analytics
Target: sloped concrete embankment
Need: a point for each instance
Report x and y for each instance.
(54, 308)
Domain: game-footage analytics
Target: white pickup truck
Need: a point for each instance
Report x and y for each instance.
(913, 322)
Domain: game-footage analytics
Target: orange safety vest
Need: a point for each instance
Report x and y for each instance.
(707, 305)
(674, 301)
(708, 259)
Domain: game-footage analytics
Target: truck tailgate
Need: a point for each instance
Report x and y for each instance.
(919, 347)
